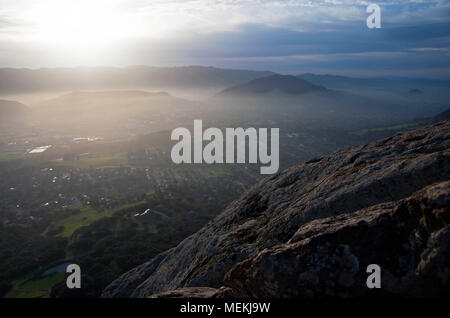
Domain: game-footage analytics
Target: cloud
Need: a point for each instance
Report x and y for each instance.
(286, 36)
(209, 16)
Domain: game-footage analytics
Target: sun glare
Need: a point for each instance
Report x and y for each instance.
(81, 26)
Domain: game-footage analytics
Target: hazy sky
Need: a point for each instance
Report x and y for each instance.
(291, 36)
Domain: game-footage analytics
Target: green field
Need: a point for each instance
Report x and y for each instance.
(36, 287)
(85, 218)
(33, 285)
(104, 161)
(4, 158)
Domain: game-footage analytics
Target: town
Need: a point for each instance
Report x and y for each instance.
(213, 151)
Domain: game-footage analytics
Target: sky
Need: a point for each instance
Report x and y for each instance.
(290, 36)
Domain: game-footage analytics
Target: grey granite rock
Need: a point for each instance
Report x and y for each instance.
(281, 209)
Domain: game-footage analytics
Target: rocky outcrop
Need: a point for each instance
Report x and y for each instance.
(312, 229)
(190, 292)
(409, 239)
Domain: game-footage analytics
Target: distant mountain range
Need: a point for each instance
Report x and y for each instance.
(292, 97)
(422, 93)
(108, 100)
(276, 97)
(108, 110)
(362, 98)
(344, 82)
(13, 81)
(274, 83)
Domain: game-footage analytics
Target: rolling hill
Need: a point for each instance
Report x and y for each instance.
(289, 97)
(286, 84)
(12, 111)
(106, 112)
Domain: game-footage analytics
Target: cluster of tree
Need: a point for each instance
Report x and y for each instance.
(111, 246)
(25, 250)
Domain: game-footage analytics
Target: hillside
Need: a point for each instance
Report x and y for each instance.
(403, 85)
(286, 97)
(106, 100)
(422, 95)
(282, 83)
(441, 116)
(106, 112)
(84, 78)
(12, 110)
(311, 230)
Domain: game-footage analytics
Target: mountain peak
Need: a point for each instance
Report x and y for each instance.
(286, 84)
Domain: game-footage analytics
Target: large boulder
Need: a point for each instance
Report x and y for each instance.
(409, 239)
